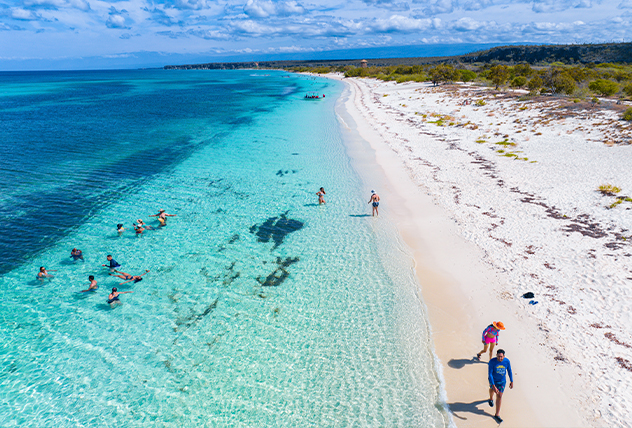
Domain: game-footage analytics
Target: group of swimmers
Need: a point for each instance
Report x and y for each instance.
(140, 226)
(113, 298)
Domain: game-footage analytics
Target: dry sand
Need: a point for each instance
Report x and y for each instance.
(484, 228)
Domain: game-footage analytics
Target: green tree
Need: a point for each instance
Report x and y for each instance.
(499, 74)
(442, 73)
(558, 81)
(519, 81)
(604, 87)
(523, 70)
(535, 84)
(628, 90)
(466, 75)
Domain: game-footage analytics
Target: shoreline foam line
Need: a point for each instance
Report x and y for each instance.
(362, 158)
(461, 294)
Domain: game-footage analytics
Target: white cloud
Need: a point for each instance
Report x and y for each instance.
(115, 21)
(399, 23)
(24, 15)
(467, 24)
(259, 9)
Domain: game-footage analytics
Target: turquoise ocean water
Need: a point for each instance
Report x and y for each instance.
(261, 308)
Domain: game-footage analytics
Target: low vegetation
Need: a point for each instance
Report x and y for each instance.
(583, 81)
(609, 189)
(627, 115)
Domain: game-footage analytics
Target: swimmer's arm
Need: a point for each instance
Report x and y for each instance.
(146, 272)
(124, 282)
(170, 215)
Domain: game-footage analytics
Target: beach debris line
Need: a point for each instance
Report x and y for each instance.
(276, 229)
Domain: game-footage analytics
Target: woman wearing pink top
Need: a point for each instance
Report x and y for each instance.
(490, 338)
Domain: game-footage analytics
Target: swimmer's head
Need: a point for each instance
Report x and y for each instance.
(161, 210)
(120, 225)
(42, 269)
(109, 257)
(91, 278)
(322, 189)
(114, 290)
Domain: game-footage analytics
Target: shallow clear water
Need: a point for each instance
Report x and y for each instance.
(261, 308)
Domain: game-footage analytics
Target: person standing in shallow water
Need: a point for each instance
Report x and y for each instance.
(113, 298)
(375, 202)
(497, 371)
(490, 338)
(321, 196)
(162, 217)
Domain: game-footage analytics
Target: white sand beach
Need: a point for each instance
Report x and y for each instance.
(499, 198)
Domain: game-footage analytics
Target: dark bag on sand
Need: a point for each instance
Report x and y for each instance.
(528, 295)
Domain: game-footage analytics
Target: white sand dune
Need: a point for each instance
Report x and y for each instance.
(519, 179)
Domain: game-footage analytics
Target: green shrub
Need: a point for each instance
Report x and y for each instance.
(535, 84)
(627, 115)
(499, 74)
(466, 75)
(524, 70)
(519, 81)
(442, 73)
(604, 87)
(480, 103)
(628, 89)
(609, 189)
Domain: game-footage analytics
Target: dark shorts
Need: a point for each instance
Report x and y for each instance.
(500, 386)
(376, 204)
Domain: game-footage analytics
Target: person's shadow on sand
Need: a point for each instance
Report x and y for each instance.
(460, 363)
(468, 408)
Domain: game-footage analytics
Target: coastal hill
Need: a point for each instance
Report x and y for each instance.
(531, 54)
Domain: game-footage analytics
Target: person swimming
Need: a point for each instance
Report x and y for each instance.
(321, 196)
(113, 264)
(93, 284)
(142, 224)
(114, 296)
(43, 273)
(120, 229)
(139, 229)
(76, 255)
(162, 217)
(127, 277)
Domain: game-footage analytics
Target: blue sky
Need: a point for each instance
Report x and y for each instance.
(45, 31)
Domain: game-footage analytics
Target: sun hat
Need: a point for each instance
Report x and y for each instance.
(161, 210)
(499, 325)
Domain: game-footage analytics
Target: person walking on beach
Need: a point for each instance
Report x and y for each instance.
(498, 368)
(76, 254)
(127, 277)
(113, 264)
(490, 338)
(43, 273)
(113, 298)
(375, 202)
(93, 284)
(321, 196)
(162, 217)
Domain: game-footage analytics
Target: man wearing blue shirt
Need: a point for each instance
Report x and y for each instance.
(496, 374)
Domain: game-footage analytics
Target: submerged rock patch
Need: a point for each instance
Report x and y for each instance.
(276, 229)
(280, 274)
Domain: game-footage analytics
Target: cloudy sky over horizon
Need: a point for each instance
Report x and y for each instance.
(50, 29)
